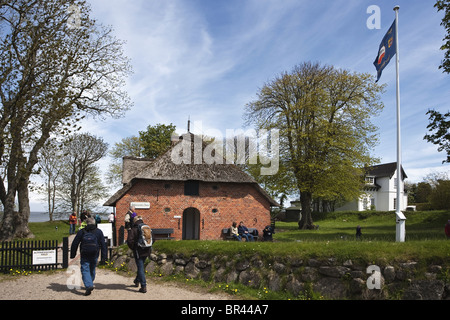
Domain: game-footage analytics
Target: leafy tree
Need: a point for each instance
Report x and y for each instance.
(423, 192)
(323, 115)
(440, 127)
(57, 66)
(51, 166)
(444, 5)
(128, 147)
(156, 140)
(439, 196)
(71, 172)
(150, 144)
(82, 151)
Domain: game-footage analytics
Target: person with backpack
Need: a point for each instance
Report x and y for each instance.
(98, 219)
(129, 218)
(91, 242)
(140, 241)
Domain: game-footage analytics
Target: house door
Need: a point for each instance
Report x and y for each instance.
(191, 224)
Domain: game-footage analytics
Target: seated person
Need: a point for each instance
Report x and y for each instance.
(243, 232)
(267, 233)
(234, 231)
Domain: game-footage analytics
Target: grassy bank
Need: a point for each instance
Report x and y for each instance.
(425, 239)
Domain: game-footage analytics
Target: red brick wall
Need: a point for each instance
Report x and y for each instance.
(233, 201)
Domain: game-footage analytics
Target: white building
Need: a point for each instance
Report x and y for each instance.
(380, 190)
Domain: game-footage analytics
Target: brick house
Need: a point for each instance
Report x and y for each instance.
(196, 200)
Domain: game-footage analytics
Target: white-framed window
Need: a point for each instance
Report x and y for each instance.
(365, 203)
(370, 180)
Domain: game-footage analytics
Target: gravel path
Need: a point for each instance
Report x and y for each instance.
(109, 285)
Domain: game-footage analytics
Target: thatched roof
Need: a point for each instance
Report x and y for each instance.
(164, 168)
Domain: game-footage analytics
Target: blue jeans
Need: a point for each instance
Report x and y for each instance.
(140, 277)
(247, 236)
(88, 265)
(72, 229)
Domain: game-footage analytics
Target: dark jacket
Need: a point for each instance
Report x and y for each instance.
(100, 238)
(242, 229)
(132, 241)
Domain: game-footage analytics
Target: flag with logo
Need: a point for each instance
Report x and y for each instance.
(386, 50)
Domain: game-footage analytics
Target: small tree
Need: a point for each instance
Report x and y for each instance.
(82, 151)
(150, 144)
(51, 165)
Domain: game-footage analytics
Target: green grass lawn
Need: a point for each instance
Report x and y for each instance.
(376, 226)
(425, 239)
(50, 230)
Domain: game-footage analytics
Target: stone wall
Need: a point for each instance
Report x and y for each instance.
(330, 278)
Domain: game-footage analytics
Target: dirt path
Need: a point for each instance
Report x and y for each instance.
(109, 285)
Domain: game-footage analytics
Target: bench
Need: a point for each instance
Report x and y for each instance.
(226, 232)
(162, 234)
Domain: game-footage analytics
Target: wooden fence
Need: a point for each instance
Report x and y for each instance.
(30, 255)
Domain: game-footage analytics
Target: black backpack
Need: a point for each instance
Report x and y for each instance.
(89, 243)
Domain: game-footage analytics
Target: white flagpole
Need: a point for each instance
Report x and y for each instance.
(400, 217)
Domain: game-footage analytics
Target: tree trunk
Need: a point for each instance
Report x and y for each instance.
(22, 217)
(306, 221)
(7, 227)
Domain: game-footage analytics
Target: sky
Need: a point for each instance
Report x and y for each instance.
(206, 59)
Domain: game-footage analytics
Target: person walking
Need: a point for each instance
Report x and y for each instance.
(140, 242)
(91, 242)
(72, 223)
(358, 232)
(129, 218)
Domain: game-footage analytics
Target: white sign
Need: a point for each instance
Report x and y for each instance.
(106, 229)
(140, 205)
(44, 256)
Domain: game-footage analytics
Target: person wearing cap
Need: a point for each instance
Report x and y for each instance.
(91, 242)
(140, 254)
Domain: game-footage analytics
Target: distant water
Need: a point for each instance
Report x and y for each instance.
(39, 217)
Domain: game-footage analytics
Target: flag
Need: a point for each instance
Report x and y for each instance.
(386, 50)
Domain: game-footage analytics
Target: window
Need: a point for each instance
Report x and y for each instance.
(370, 180)
(191, 188)
(365, 202)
